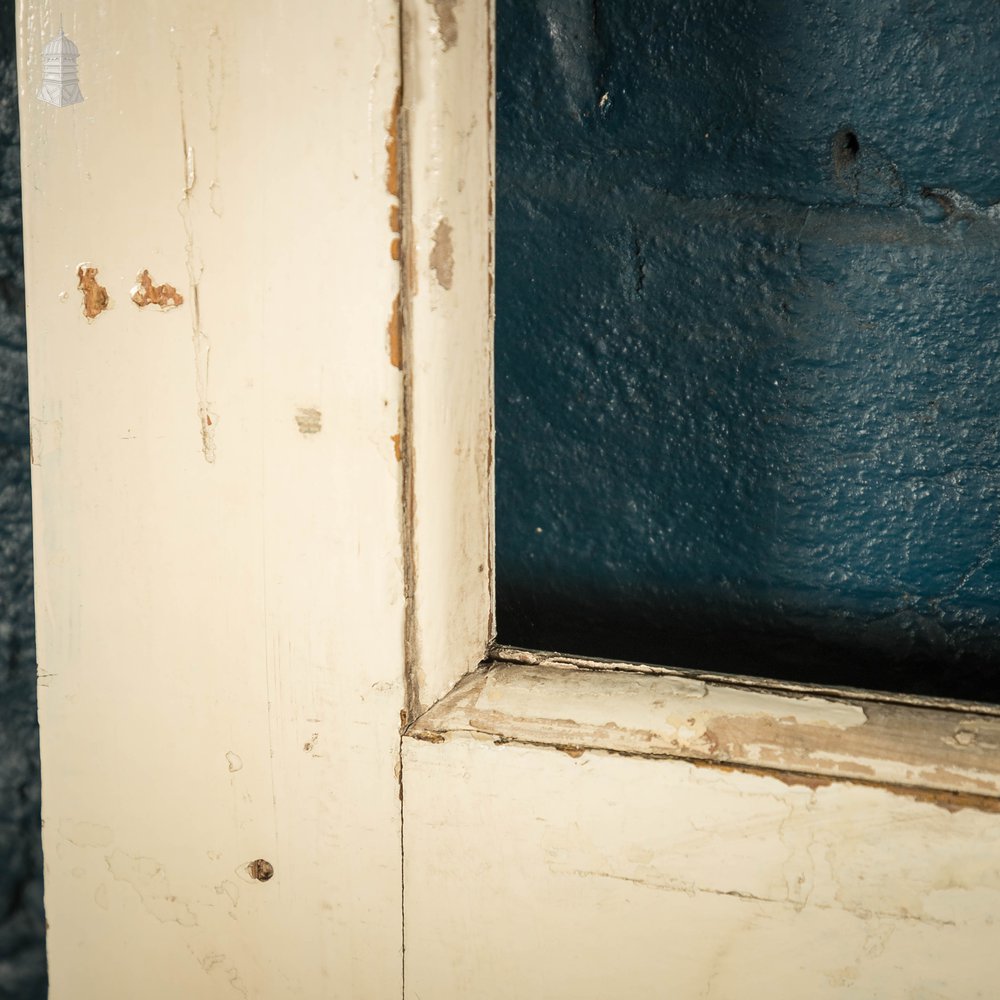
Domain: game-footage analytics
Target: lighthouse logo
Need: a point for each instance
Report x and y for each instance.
(60, 80)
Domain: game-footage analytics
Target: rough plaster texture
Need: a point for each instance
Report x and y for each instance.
(22, 948)
(748, 364)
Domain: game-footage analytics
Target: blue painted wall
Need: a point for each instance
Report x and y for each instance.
(22, 921)
(748, 336)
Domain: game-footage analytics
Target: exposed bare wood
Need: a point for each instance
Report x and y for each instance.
(656, 714)
(500, 653)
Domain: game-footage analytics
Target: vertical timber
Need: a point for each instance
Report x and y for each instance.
(217, 483)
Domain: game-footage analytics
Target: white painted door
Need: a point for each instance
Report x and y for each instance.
(259, 271)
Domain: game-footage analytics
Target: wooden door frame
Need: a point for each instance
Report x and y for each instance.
(448, 156)
(330, 226)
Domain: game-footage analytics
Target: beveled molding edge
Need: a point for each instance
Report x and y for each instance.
(933, 749)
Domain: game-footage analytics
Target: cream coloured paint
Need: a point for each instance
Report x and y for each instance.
(600, 831)
(535, 872)
(223, 607)
(448, 153)
(219, 545)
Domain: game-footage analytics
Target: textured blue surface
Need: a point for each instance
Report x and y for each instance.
(748, 351)
(22, 921)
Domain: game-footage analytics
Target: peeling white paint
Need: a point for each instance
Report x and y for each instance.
(448, 88)
(655, 714)
(611, 876)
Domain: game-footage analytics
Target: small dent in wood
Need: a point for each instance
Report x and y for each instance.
(95, 295)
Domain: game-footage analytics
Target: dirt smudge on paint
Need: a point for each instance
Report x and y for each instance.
(309, 420)
(442, 259)
(444, 11)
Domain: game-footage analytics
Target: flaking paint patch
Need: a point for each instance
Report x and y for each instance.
(397, 446)
(309, 420)
(145, 293)
(396, 227)
(95, 295)
(392, 146)
(442, 257)
(395, 335)
(805, 740)
(447, 23)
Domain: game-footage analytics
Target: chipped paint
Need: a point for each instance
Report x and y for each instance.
(661, 716)
(396, 227)
(446, 153)
(44, 438)
(267, 518)
(442, 258)
(201, 343)
(746, 867)
(397, 446)
(95, 295)
(447, 23)
(392, 145)
(395, 335)
(145, 293)
(309, 420)
(427, 736)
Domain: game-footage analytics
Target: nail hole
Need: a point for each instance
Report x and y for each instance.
(261, 870)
